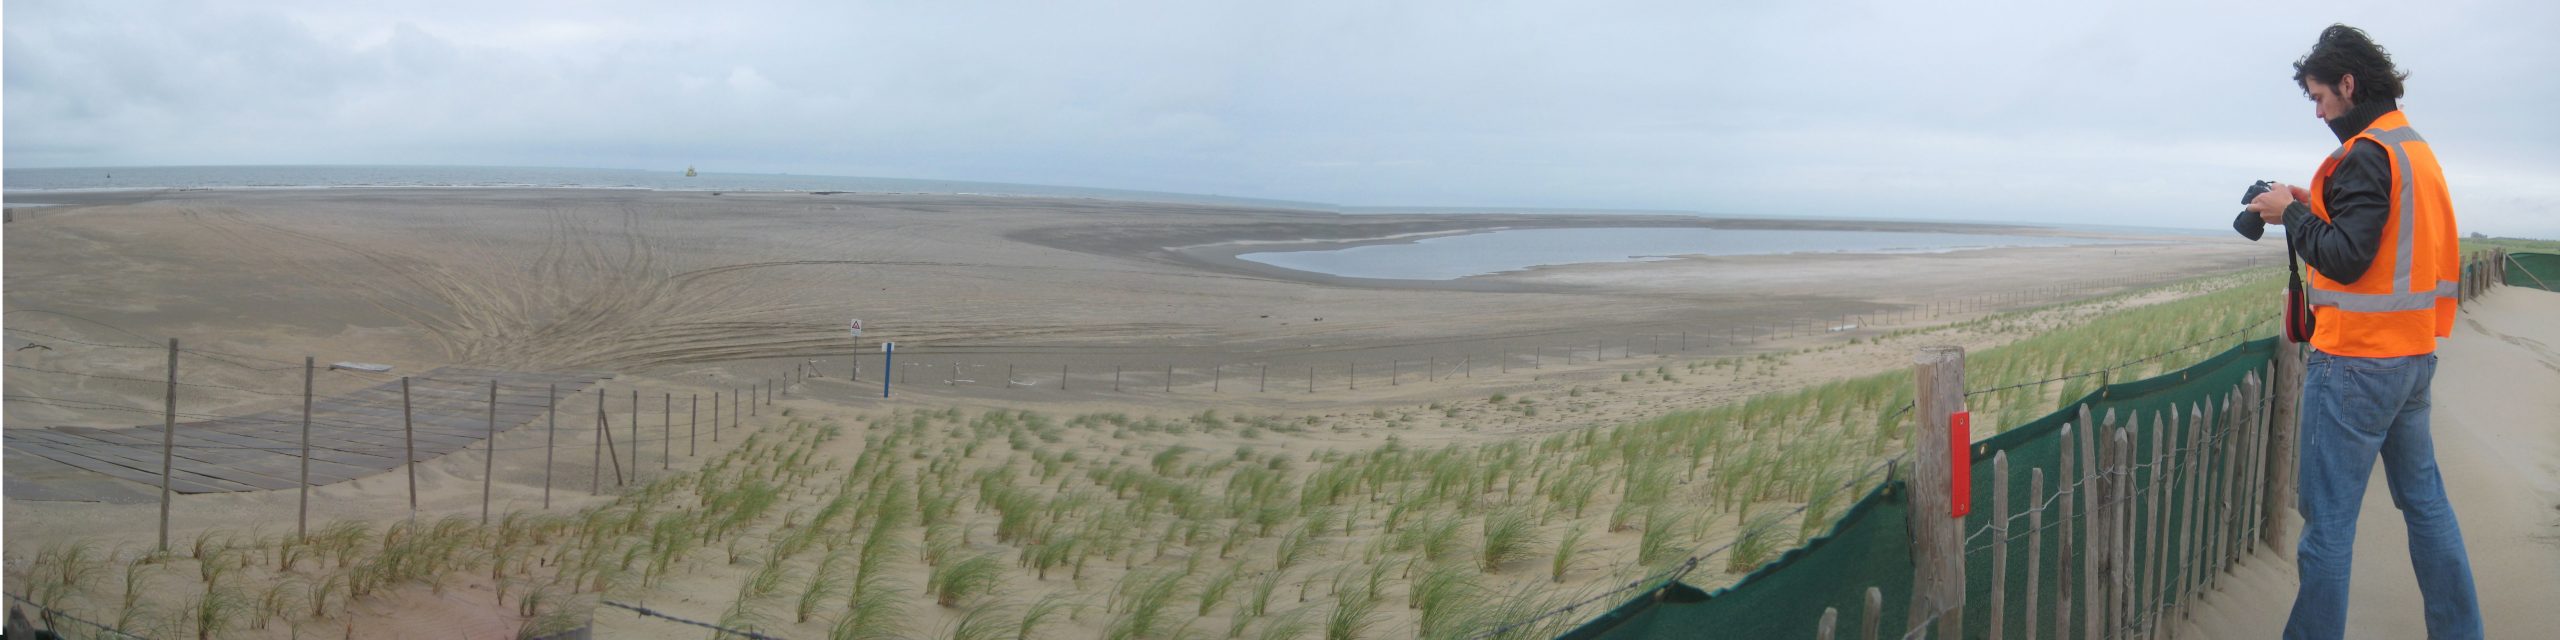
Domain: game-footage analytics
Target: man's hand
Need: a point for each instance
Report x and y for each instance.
(2270, 206)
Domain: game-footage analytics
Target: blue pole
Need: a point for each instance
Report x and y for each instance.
(888, 358)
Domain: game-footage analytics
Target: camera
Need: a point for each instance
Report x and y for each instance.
(2249, 224)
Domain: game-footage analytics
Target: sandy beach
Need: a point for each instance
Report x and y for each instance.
(999, 304)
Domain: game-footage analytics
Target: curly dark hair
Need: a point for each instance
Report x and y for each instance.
(2344, 50)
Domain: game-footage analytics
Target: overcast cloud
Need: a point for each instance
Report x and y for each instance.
(2143, 113)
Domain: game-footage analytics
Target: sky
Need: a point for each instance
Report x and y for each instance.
(2128, 113)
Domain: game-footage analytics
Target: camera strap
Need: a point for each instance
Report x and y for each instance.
(2298, 321)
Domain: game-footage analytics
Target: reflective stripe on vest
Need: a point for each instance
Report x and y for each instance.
(2381, 302)
(2372, 317)
(2406, 199)
(2403, 296)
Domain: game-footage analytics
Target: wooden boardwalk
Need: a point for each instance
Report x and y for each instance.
(352, 436)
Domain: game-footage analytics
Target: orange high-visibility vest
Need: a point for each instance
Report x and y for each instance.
(2406, 299)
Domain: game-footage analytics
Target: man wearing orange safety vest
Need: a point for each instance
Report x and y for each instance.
(2377, 228)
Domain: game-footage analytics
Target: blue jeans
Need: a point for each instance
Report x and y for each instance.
(2354, 409)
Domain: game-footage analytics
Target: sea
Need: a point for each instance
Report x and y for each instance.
(1459, 256)
(1439, 258)
(27, 185)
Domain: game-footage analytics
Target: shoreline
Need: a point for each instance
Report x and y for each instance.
(1227, 255)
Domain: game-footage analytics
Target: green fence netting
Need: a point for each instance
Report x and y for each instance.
(1870, 545)
(2537, 270)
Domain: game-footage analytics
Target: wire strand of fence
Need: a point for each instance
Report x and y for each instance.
(1907, 406)
(653, 613)
(380, 429)
(50, 614)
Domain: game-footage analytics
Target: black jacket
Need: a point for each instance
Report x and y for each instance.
(2358, 198)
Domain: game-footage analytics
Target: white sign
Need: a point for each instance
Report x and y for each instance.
(857, 327)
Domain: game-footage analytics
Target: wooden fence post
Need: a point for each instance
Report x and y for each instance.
(2063, 543)
(595, 466)
(551, 439)
(2192, 468)
(1937, 537)
(2257, 459)
(302, 513)
(489, 463)
(693, 423)
(409, 447)
(666, 431)
(2283, 436)
(2000, 543)
(1875, 612)
(2156, 505)
(715, 415)
(635, 435)
(2093, 533)
(169, 447)
(2035, 544)
(2121, 538)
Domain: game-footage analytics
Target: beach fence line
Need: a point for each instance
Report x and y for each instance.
(2111, 518)
(1320, 371)
(373, 430)
(2106, 519)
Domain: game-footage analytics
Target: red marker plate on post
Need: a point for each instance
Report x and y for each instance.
(1960, 463)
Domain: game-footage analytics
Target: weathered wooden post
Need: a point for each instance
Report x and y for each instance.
(409, 447)
(2000, 543)
(302, 512)
(2093, 528)
(1875, 611)
(489, 463)
(2125, 572)
(2035, 544)
(550, 439)
(2284, 431)
(595, 465)
(635, 435)
(1937, 538)
(2156, 505)
(715, 409)
(1829, 625)
(604, 426)
(693, 422)
(2191, 467)
(667, 431)
(169, 447)
(2063, 543)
